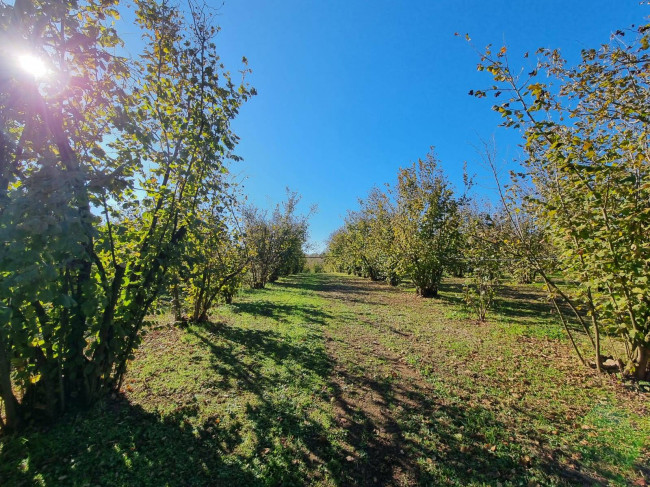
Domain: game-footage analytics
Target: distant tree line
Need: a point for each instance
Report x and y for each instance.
(421, 230)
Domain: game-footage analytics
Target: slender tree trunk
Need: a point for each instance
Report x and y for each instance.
(12, 411)
(641, 362)
(176, 303)
(104, 355)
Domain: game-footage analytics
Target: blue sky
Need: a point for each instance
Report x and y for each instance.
(349, 91)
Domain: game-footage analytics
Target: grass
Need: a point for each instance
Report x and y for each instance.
(326, 380)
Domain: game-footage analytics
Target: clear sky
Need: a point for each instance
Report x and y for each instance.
(350, 90)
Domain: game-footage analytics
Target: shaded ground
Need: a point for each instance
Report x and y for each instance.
(429, 397)
(334, 380)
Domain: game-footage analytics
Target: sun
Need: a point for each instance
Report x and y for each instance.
(32, 65)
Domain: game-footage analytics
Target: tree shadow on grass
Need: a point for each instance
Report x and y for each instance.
(389, 430)
(452, 293)
(328, 285)
(260, 345)
(402, 433)
(533, 306)
(515, 302)
(292, 444)
(315, 284)
(399, 432)
(277, 311)
(119, 444)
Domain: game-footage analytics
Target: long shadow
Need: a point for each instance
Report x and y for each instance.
(451, 292)
(330, 285)
(513, 302)
(407, 434)
(275, 417)
(322, 282)
(404, 432)
(277, 311)
(119, 444)
(261, 343)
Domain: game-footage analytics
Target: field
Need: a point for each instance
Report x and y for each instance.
(327, 379)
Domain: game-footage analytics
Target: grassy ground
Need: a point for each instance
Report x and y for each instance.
(332, 380)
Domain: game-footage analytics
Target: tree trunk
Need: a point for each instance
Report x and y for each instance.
(641, 362)
(428, 292)
(12, 412)
(176, 303)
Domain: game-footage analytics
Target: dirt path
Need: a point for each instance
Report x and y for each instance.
(374, 386)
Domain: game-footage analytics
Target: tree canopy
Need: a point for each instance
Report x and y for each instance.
(105, 164)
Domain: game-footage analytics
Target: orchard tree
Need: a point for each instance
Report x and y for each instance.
(378, 213)
(483, 256)
(275, 244)
(426, 224)
(588, 152)
(216, 259)
(55, 113)
(104, 165)
(361, 245)
(341, 255)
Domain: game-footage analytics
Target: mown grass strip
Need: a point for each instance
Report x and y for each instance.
(332, 380)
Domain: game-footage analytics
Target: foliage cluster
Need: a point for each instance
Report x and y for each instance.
(411, 231)
(275, 243)
(112, 174)
(213, 262)
(484, 237)
(586, 182)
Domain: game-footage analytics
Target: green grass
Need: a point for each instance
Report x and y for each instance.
(325, 379)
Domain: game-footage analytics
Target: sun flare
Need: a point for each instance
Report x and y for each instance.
(32, 65)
